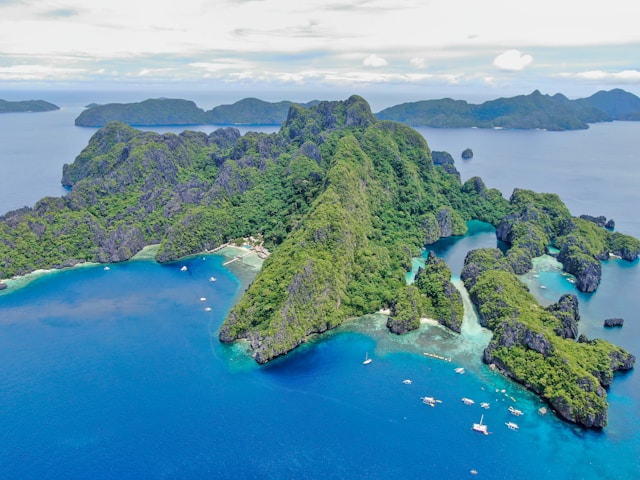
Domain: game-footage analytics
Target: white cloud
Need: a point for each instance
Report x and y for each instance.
(418, 62)
(631, 76)
(374, 60)
(38, 72)
(281, 40)
(512, 60)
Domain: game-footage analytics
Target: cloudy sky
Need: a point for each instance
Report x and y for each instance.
(488, 46)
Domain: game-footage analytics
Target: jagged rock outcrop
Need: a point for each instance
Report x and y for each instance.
(586, 269)
(628, 251)
(310, 150)
(445, 222)
(445, 161)
(514, 333)
(589, 415)
(406, 311)
(614, 322)
(431, 229)
(434, 281)
(567, 312)
(401, 325)
(620, 361)
(479, 261)
(601, 220)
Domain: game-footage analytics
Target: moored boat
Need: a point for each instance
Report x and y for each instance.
(512, 425)
(480, 427)
(429, 401)
(515, 411)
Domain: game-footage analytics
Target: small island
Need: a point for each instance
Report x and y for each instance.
(27, 106)
(343, 201)
(614, 322)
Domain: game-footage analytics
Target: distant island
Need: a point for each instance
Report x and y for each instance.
(167, 111)
(345, 202)
(533, 111)
(27, 106)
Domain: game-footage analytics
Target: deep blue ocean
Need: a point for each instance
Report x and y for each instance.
(119, 374)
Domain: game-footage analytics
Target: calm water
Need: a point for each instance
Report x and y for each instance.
(596, 171)
(118, 373)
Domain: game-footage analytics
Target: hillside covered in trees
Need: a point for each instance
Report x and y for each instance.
(169, 111)
(344, 201)
(549, 112)
(533, 111)
(27, 106)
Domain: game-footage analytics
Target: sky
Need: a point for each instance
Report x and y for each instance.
(415, 48)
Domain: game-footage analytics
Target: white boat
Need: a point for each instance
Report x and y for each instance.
(429, 401)
(202, 299)
(459, 370)
(512, 425)
(515, 411)
(485, 405)
(467, 401)
(367, 360)
(107, 268)
(212, 279)
(184, 268)
(407, 382)
(208, 309)
(480, 427)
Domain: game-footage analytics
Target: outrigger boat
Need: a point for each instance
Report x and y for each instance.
(429, 401)
(515, 411)
(512, 425)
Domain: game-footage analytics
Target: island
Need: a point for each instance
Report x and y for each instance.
(533, 111)
(167, 111)
(27, 106)
(343, 201)
(467, 154)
